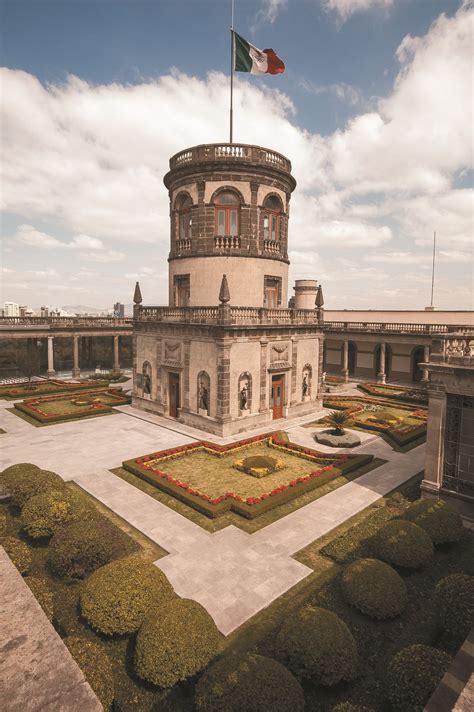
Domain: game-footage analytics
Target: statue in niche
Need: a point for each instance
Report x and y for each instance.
(147, 384)
(243, 396)
(203, 397)
(305, 385)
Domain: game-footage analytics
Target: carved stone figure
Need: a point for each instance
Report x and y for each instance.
(244, 397)
(305, 385)
(147, 384)
(203, 397)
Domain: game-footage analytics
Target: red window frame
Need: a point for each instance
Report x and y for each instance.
(227, 209)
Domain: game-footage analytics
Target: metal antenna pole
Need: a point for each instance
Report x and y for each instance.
(231, 69)
(433, 268)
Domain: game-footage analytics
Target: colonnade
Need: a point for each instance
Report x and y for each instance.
(381, 362)
(76, 369)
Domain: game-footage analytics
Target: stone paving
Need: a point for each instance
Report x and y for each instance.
(231, 573)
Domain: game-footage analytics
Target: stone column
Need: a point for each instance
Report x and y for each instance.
(381, 375)
(51, 371)
(76, 369)
(345, 360)
(433, 474)
(295, 389)
(425, 378)
(223, 382)
(264, 378)
(186, 377)
(116, 354)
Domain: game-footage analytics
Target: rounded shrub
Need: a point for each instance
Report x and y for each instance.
(96, 666)
(454, 604)
(349, 707)
(3, 524)
(440, 522)
(78, 549)
(317, 645)
(43, 594)
(404, 544)
(249, 682)
(18, 552)
(14, 472)
(45, 513)
(176, 642)
(117, 597)
(32, 483)
(374, 588)
(412, 676)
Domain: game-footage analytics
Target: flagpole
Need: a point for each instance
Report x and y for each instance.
(231, 117)
(433, 268)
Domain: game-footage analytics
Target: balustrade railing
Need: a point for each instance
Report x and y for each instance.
(64, 321)
(271, 246)
(234, 315)
(182, 245)
(222, 242)
(392, 327)
(230, 152)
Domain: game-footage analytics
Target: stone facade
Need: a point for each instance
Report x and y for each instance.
(449, 469)
(226, 369)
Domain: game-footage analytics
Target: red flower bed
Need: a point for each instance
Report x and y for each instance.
(32, 406)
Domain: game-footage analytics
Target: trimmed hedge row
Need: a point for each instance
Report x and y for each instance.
(29, 406)
(33, 482)
(18, 552)
(413, 675)
(43, 594)
(248, 682)
(402, 544)
(454, 604)
(440, 522)
(374, 588)
(96, 666)
(12, 392)
(117, 597)
(177, 641)
(44, 514)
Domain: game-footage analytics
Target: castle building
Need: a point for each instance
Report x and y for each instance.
(226, 355)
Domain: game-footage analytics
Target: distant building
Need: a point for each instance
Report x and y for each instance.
(119, 310)
(11, 309)
(44, 311)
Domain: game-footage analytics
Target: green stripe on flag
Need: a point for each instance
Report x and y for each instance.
(242, 60)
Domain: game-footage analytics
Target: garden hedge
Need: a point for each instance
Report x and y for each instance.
(177, 641)
(45, 513)
(402, 543)
(440, 522)
(96, 666)
(78, 549)
(117, 597)
(317, 645)
(454, 604)
(374, 588)
(34, 482)
(43, 594)
(349, 707)
(18, 552)
(253, 683)
(413, 675)
(10, 474)
(3, 524)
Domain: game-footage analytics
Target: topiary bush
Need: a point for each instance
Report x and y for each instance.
(34, 482)
(454, 604)
(45, 513)
(18, 552)
(43, 594)
(10, 474)
(374, 588)
(175, 642)
(3, 524)
(117, 597)
(439, 521)
(317, 645)
(404, 544)
(413, 675)
(96, 666)
(79, 548)
(248, 682)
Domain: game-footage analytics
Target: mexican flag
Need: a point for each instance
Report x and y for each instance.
(248, 58)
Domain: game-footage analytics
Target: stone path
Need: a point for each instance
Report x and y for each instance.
(231, 573)
(37, 670)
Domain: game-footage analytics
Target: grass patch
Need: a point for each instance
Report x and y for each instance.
(37, 423)
(61, 408)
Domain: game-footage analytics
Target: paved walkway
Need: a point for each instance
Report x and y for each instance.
(37, 670)
(231, 573)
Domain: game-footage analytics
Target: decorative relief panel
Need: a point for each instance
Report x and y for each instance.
(172, 354)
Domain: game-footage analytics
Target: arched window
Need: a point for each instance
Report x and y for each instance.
(227, 214)
(185, 221)
(271, 218)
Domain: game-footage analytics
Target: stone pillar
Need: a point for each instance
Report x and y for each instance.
(345, 360)
(381, 375)
(264, 379)
(76, 369)
(223, 382)
(433, 474)
(295, 390)
(425, 378)
(116, 354)
(51, 371)
(186, 377)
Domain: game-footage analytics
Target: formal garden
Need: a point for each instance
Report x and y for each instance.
(45, 410)
(249, 477)
(373, 628)
(9, 391)
(400, 424)
(407, 394)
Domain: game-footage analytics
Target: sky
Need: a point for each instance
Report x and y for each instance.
(374, 110)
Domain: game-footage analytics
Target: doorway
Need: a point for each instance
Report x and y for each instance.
(351, 358)
(417, 358)
(276, 396)
(174, 394)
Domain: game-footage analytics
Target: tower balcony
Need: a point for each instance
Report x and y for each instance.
(231, 153)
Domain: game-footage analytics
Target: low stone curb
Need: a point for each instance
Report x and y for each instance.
(455, 692)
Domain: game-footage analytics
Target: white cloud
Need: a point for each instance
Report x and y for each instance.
(346, 8)
(269, 12)
(345, 92)
(29, 235)
(104, 257)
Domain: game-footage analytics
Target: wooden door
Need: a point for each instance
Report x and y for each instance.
(276, 396)
(174, 394)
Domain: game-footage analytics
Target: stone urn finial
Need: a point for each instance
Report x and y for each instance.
(224, 294)
(137, 295)
(319, 297)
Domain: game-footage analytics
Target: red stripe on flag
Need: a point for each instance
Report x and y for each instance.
(275, 64)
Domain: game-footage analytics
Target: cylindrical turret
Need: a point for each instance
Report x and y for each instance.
(229, 207)
(305, 293)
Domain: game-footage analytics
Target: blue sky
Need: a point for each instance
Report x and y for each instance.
(373, 110)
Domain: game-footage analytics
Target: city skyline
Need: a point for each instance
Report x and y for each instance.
(373, 111)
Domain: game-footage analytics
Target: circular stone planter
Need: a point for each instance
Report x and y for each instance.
(259, 465)
(328, 437)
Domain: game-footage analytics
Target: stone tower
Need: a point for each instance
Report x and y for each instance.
(229, 207)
